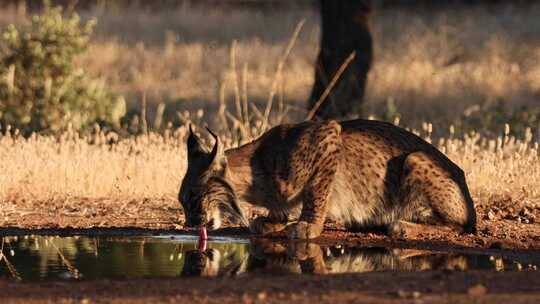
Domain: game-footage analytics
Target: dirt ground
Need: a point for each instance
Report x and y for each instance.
(423, 287)
(503, 227)
(503, 224)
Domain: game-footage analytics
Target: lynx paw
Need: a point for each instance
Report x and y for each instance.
(405, 229)
(263, 225)
(304, 230)
(396, 231)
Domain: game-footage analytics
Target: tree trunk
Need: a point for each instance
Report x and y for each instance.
(345, 29)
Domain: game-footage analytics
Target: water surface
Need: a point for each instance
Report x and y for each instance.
(83, 257)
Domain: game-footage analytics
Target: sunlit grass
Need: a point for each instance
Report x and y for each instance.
(152, 166)
(43, 167)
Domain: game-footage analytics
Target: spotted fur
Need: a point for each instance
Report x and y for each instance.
(363, 173)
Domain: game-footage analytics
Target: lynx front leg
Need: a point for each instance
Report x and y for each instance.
(311, 222)
(324, 147)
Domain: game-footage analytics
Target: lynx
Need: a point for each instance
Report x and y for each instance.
(304, 257)
(365, 174)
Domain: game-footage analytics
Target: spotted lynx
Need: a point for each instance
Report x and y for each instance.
(363, 173)
(304, 257)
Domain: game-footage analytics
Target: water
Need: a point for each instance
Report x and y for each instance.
(82, 257)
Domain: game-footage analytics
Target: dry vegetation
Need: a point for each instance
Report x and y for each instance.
(427, 63)
(433, 67)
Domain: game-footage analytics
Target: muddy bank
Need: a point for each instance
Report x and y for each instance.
(423, 287)
(501, 225)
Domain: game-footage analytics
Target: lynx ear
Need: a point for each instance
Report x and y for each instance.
(194, 146)
(217, 155)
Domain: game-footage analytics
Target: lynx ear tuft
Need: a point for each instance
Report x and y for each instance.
(194, 146)
(217, 155)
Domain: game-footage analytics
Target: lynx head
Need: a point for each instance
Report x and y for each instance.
(212, 263)
(205, 193)
(202, 263)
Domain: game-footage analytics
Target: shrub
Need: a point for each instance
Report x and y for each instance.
(490, 117)
(42, 89)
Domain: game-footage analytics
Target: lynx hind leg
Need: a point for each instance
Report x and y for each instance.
(321, 150)
(435, 196)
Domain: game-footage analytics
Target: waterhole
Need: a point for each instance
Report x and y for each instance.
(30, 258)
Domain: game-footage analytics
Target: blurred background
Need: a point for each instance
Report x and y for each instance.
(470, 64)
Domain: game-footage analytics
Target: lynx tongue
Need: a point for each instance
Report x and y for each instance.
(202, 233)
(203, 237)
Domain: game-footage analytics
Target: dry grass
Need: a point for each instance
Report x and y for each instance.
(42, 167)
(151, 167)
(433, 65)
(499, 168)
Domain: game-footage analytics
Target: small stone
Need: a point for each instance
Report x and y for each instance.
(246, 299)
(477, 290)
(85, 301)
(499, 264)
(408, 294)
(261, 296)
(402, 293)
(491, 215)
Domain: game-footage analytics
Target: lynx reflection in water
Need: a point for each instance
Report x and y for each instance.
(310, 258)
(29, 258)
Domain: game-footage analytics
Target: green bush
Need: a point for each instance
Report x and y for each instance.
(490, 117)
(41, 88)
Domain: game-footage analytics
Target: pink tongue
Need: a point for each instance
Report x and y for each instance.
(202, 238)
(202, 233)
